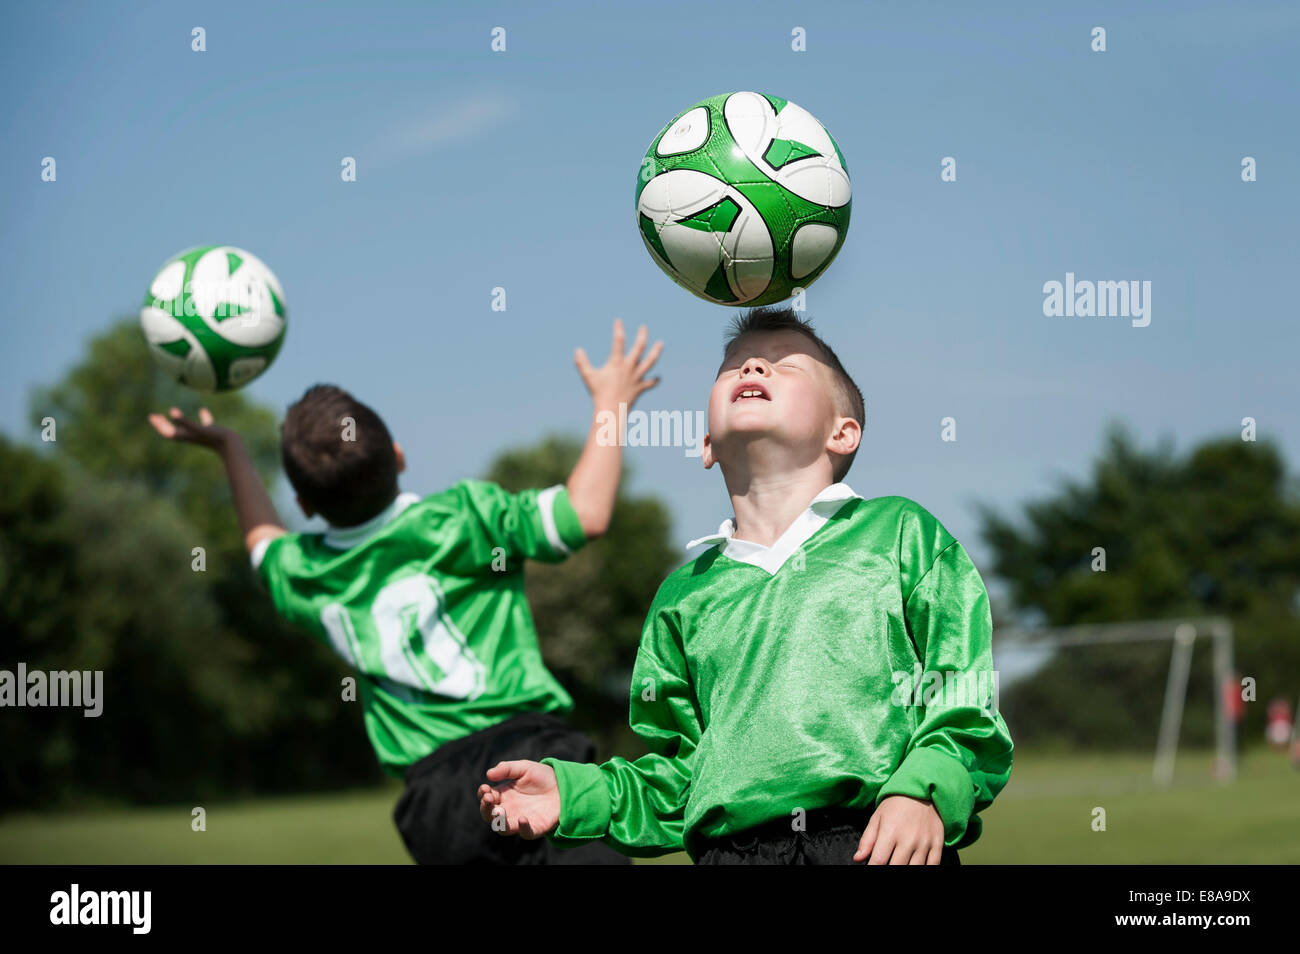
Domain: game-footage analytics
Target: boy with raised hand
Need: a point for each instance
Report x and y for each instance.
(778, 673)
(424, 598)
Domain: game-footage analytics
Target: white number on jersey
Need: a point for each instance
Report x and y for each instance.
(419, 644)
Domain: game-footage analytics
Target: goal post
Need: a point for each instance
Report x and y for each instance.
(1183, 635)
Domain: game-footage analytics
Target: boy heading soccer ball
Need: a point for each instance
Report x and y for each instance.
(786, 678)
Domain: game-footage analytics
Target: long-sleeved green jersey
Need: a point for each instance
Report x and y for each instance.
(848, 662)
(426, 602)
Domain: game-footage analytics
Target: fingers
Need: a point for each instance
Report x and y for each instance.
(491, 807)
(508, 770)
(503, 827)
(650, 358)
(868, 839)
(638, 344)
(488, 799)
(623, 375)
(885, 845)
(205, 417)
(177, 422)
(909, 853)
(584, 366)
(616, 345)
(163, 426)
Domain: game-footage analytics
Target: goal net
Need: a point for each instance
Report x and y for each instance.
(1148, 685)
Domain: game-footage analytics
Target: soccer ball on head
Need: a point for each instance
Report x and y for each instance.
(214, 317)
(743, 198)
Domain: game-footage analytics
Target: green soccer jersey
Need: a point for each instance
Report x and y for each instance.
(848, 662)
(426, 602)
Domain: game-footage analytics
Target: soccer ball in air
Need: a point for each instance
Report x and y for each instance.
(743, 199)
(214, 317)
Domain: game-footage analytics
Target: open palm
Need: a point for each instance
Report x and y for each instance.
(178, 427)
(525, 801)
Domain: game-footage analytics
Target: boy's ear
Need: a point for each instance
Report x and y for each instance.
(706, 452)
(306, 510)
(846, 437)
(401, 458)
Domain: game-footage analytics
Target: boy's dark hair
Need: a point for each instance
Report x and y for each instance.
(338, 456)
(848, 396)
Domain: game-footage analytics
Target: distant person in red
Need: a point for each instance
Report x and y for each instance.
(1278, 729)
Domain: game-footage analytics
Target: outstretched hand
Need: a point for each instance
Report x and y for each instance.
(622, 378)
(258, 520)
(526, 803)
(204, 432)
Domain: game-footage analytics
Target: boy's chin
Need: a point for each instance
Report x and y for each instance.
(738, 437)
(748, 447)
(754, 420)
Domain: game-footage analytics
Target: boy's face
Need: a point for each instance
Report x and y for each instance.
(773, 387)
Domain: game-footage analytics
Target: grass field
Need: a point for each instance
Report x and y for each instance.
(1043, 817)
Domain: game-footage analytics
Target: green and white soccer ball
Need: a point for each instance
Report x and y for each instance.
(214, 317)
(743, 199)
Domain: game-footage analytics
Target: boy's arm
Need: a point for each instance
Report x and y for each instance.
(258, 520)
(593, 485)
(959, 757)
(549, 524)
(637, 807)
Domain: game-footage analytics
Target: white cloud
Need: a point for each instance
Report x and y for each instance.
(456, 124)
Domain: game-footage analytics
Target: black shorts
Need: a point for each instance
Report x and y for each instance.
(438, 816)
(830, 837)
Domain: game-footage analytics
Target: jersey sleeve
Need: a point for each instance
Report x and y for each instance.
(959, 756)
(639, 807)
(534, 524)
(265, 558)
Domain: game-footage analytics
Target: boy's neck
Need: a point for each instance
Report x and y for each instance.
(765, 505)
(374, 516)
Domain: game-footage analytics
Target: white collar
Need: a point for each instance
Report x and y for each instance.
(822, 508)
(343, 538)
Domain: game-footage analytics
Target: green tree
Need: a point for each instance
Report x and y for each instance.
(1214, 532)
(82, 565)
(209, 692)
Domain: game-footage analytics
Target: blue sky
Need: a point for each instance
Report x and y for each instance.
(479, 169)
